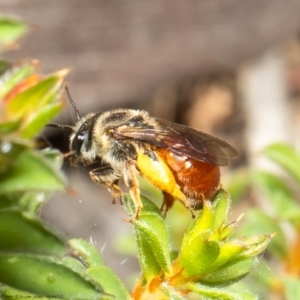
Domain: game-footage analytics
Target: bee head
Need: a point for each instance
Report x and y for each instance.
(81, 136)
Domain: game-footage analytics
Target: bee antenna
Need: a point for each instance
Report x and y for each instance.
(66, 87)
(60, 126)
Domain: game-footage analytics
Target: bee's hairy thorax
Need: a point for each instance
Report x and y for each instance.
(94, 136)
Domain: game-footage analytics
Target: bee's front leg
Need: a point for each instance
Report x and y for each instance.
(108, 177)
(131, 181)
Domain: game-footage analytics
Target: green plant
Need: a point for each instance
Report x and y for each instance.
(278, 189)
(207, 260)
(37, 262)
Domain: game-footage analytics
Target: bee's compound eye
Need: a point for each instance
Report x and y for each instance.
(78, 141)
(83, 138)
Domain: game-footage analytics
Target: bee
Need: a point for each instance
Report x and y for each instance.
(124, 143)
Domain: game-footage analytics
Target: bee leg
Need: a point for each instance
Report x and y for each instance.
(195, 203)
(106, 176)
(116, 192)
(132, 183)
(167, 203)
(119, 191)
(192, 212)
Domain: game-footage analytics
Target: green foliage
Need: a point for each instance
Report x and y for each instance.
(11, 30)
(207, 261)
(34, 260)
(45, 275)
(279, 191)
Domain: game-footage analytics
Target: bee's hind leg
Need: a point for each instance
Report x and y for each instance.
(168, 202)
(107, 176)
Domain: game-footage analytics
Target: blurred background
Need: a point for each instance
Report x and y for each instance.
(229, 68)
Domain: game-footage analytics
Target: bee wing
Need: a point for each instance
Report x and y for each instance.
(182, 140)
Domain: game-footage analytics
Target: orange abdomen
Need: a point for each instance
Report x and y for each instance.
(198, 180)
